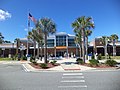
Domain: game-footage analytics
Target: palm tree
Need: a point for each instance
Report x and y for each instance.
(1, 38)
(87, 33)
(81, 24)
(39, 38)
(48, 27)
(78, 41)
(32, 35)
(114, 38)
(17, 41)
(104, 40)
(7, 41)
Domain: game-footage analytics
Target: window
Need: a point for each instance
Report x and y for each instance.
(60, 40)
(50, 42)
(71, 42)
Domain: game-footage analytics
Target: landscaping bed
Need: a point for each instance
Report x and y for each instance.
(47, 66)
(99, 66)
(109, 63)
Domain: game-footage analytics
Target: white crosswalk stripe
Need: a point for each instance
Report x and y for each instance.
(72, 80)
(80, 86)
(72, 74)
(74, 77)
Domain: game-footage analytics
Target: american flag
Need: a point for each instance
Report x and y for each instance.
(32, 18)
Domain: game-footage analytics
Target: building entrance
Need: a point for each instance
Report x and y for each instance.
(60, 53)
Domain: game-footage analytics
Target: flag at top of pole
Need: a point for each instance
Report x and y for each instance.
(32, 18)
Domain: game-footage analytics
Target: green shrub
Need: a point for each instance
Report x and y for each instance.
(93, 62)
(99, 57)
(34, 62)
(53, 62)
(79, 61)
(24, 58)
(93, 57)
(103, 57)
(14, 57)
(109, 56)
(32, 59)
(43, 65)
(111, 62)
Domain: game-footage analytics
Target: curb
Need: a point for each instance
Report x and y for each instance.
(29, 68)
(72, 69)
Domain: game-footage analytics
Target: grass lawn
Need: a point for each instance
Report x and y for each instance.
(5, 59)
(112, 57)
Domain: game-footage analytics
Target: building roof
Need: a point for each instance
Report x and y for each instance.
(61, 33)
(51, 37)
(7, 45)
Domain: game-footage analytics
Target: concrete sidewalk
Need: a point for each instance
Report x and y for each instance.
(103, 61)
(14, 62)
(61, 68)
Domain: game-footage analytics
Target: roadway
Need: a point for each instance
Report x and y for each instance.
(14, 77)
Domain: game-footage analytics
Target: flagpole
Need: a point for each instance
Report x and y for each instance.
(27, 34)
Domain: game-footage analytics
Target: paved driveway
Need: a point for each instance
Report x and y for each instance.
(13, 77)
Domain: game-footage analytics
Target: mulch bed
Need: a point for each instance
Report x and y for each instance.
(49, 65)
(99, 66)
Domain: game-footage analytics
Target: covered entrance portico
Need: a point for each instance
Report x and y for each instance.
(61, 51)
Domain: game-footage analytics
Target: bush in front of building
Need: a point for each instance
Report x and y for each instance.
(93, 62)
(32, 60)
(99, 57)
(111, 62)
(24, 58)
(79, 61)
(53, 62)
(93, 57)
(43, 65)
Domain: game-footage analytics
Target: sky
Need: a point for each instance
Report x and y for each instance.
(14, 15)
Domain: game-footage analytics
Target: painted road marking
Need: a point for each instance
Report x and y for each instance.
(24, 67)
(74, 77)
(72, 81)
(80, 86)
(67, 79)
(72, 74)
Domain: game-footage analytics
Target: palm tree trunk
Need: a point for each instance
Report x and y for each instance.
(83, 45)
(45, 49)
(80, 50)
(86, 48)
(41, 52)
(105, 51)
(17, 50)
(114, 53)
(34, 48)
(38, 50)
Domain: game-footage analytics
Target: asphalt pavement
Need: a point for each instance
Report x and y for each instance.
(14, 77)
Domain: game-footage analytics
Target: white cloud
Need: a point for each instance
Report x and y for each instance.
(4, 15)
(26, 29)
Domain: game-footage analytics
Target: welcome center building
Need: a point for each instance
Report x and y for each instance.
(60, 44)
